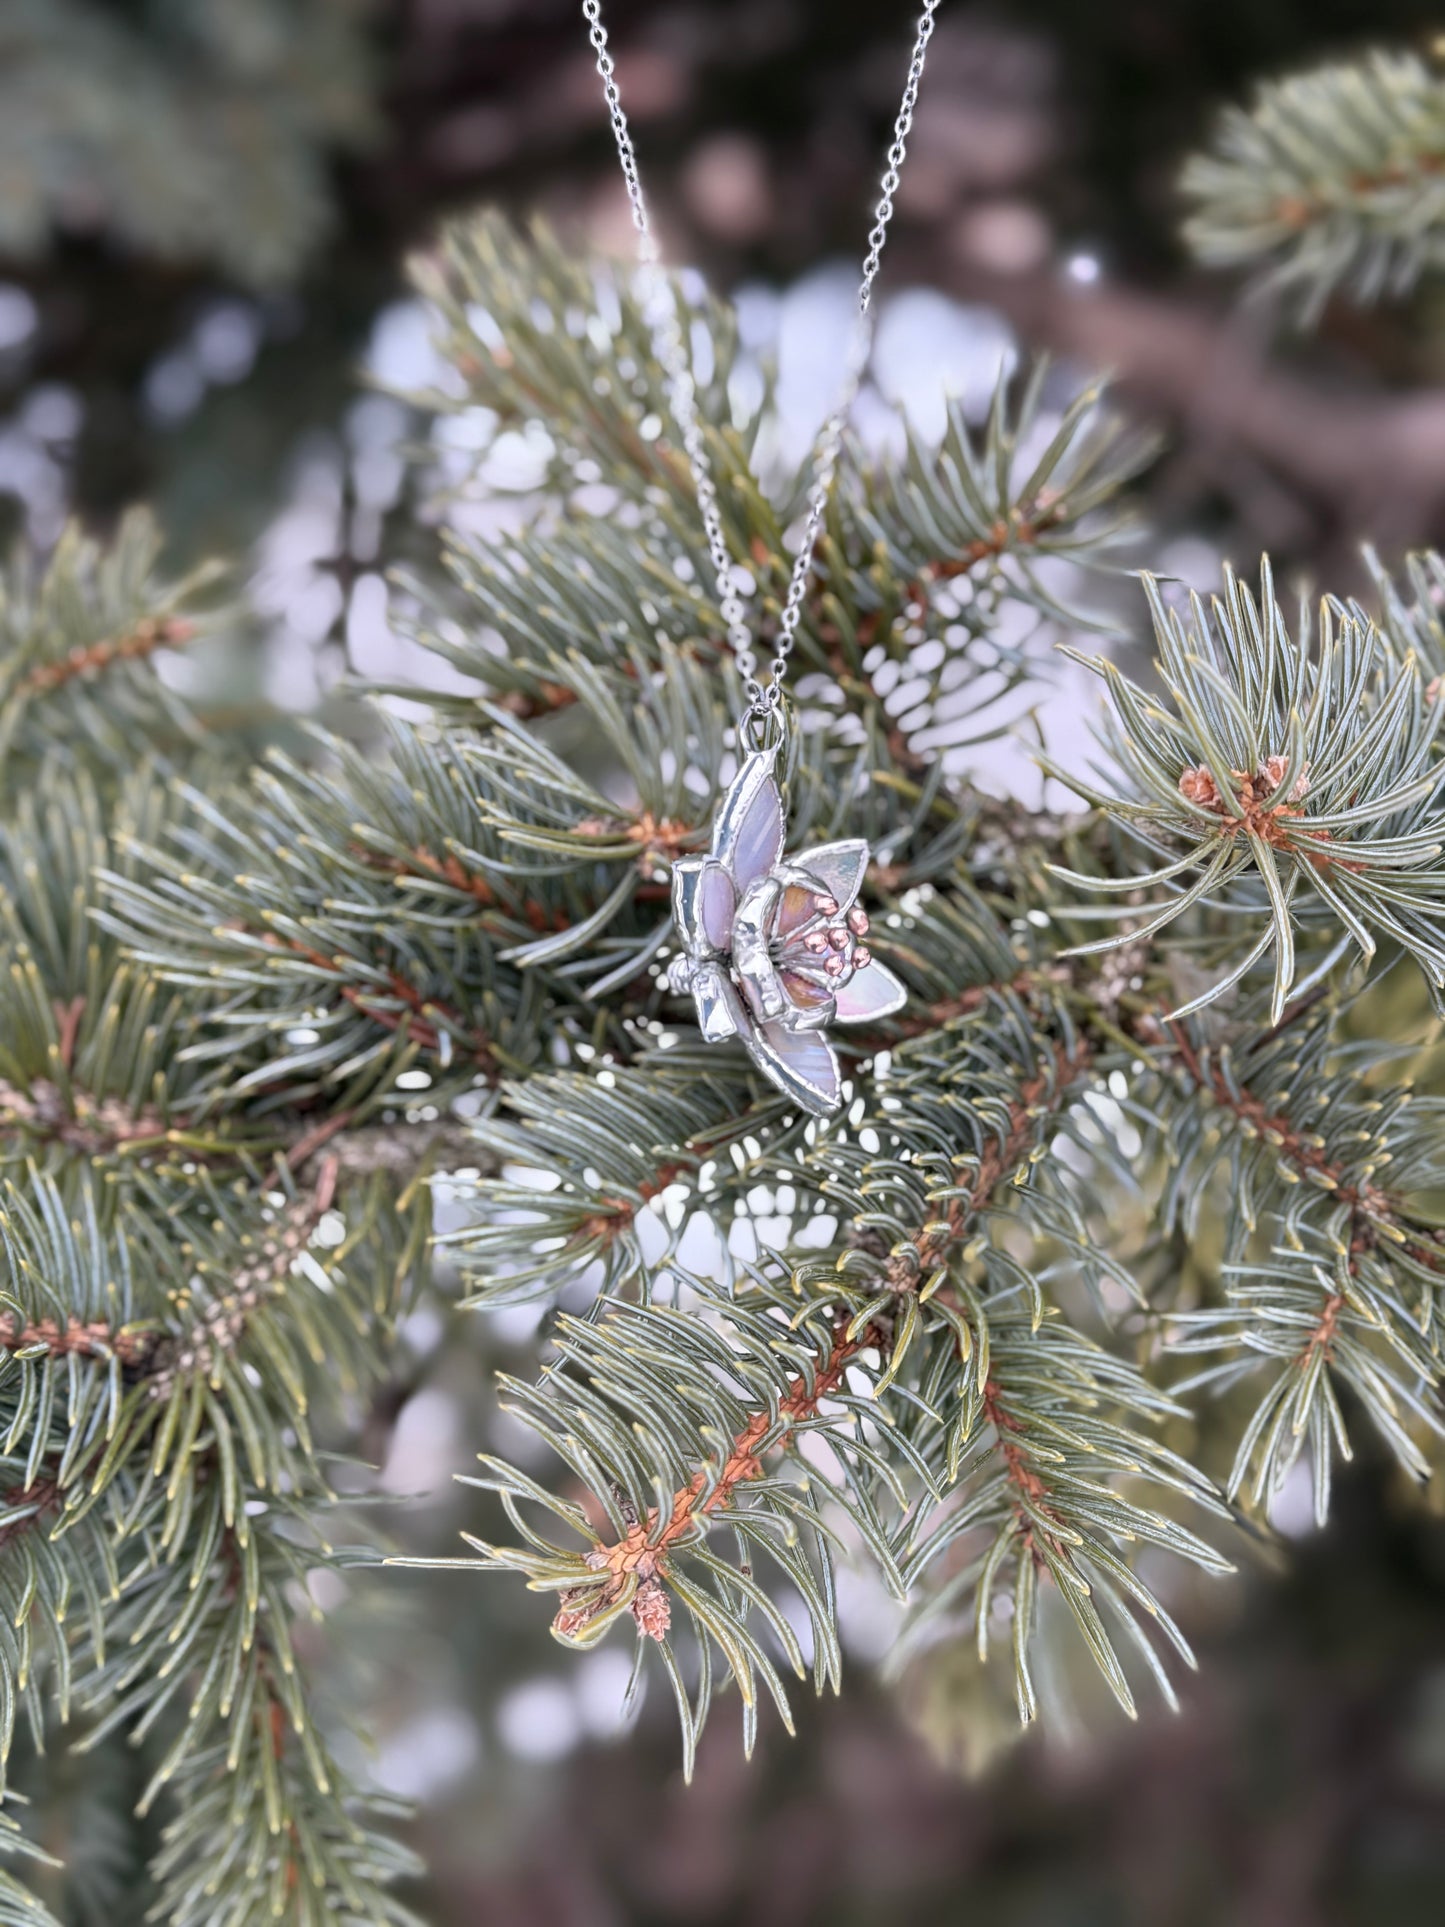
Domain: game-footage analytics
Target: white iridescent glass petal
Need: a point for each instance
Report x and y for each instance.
(871, 992)
(748, 835)
(839, 867)
(802, 1063)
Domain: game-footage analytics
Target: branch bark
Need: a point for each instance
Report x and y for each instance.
(1366, 463)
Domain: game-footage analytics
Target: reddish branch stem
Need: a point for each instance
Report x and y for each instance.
(1302, 209)
(640, 1555)
(90, 659)
(451, 870)
(657, 841)
(1367, 1201)
(928, 1249)
(1026, 523)
(1368, 1205)
(92, 1339)
(412, 1021)
(1031, 1491)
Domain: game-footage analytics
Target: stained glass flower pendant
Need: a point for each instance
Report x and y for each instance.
(773, 946)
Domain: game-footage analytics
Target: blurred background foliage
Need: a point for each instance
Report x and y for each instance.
(205, 206)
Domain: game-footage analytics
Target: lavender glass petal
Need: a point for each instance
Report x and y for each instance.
(772, 945)
(839, 868)
(719, 901)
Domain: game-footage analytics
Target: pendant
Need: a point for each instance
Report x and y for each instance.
(773, 948)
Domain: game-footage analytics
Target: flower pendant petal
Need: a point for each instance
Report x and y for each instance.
(773, 948)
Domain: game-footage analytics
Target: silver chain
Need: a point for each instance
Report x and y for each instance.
(661, 310)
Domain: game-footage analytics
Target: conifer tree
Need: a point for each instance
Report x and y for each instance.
(1143, 1137)
(140, 122)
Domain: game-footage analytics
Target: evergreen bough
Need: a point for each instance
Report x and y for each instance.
(1330, 179)
(250, 1006)
(141, 122)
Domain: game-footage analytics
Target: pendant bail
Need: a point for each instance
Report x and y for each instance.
(763, 725)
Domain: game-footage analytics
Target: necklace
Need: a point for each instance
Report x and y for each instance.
(772, 945)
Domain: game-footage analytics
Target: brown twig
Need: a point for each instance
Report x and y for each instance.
(639, 1557)
(99, 1127)
(1031, 1490)
(219, 1330)
(545, 700)
(92, 1339)
(659, 839)
(450, 869)
(90, 659)
(1275, 1127)
(619, 1213)
(1025, 525)
(1301, 208)
(94, 1126)
(1370, 1207)
(68, 1019)
(412, 1021)
(1041, 1094)
(1366, 463)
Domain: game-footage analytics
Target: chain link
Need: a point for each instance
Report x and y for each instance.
(660, 309)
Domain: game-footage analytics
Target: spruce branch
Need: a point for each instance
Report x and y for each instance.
(92, 659)
(1017, 1135)
(1333, 178)
(186, 1474)
(898, 1301)
(995, 506)
(161, 1339)
(608, 1145)
(307, 937)
(593, 384)
(1052, 1489)
(1348, 1141)
(1298, 773)
(246, 1014)
(86, 1338)
(77, 642)
(663, 1458)
(1337, 1180)
(264, 1823)
(636, 1564)
(60, 1577)
(96, 1064)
